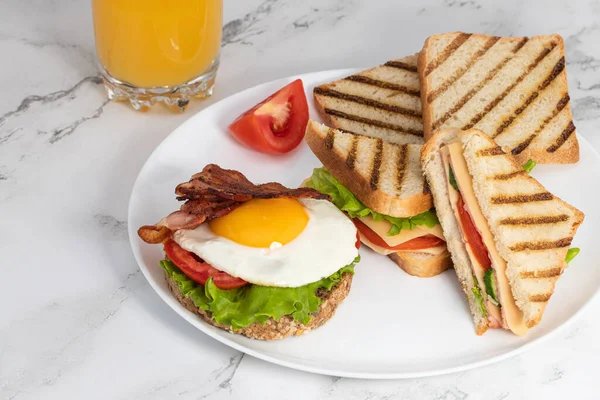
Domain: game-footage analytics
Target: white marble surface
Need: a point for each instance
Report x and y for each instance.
(77, 318)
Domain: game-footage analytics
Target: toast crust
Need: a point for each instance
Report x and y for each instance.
(427, 113)
(376, 200)
(272, 329)
(422, 265)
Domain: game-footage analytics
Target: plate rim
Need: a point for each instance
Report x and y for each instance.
(201, 325)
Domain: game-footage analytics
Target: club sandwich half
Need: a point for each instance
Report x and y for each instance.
(380, 185)
(508, 236)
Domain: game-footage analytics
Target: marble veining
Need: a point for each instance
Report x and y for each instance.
(77, 317)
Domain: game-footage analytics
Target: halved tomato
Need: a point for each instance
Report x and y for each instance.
(199, 271)
(419, 243)
(472, 236)
(277, 124)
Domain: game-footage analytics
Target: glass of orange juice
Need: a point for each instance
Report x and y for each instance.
(158, 50)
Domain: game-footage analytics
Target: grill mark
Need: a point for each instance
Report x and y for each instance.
(458, 74)
(549, 273)
(562, 103)
(542, 245)
(447, 52)
(506, 177)
(367, 102)
(490, 106)
(469, 95)
(562, 138)
(558, 68)
(519, 45)
(522, 198)
(367, 121)
(492, 151)
(376, 165)
(545, 219)
(402, 150)
(540, 298)
(352, 154)
(523, 145)
(384, 85)
(329, 139)
(401, 65)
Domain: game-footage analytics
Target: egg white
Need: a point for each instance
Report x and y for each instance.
(326, 244)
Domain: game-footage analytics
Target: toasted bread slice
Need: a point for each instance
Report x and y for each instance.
(286, 326)
(434, 172)
(532, 228)
(385, 177)
(382, 102)
(512, 88)
(421, 264)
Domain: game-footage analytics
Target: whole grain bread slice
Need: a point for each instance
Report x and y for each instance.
(286, 326)
(385, 177)
(382, 102)
(512, 88)
(532, 228)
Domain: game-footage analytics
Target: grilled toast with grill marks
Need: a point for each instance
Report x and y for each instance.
(382, 102)
(385, 177)
(512, 88)
(532, 228)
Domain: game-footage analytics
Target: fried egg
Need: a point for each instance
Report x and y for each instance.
(276, 242)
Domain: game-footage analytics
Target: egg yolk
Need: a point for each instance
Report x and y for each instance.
(260, 222)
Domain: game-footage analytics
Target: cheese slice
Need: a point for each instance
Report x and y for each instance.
(434, 251)
(512, 314)
(382, 227)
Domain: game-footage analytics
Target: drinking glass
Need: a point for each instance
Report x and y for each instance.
(158, 50)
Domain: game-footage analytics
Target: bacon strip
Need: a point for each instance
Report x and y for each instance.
(213, 193)
(233, 185)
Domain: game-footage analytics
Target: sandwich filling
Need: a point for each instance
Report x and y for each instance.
(382, 233)
(489, 268)
(243, 306)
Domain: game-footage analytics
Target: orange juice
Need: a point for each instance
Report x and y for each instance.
(150, 43)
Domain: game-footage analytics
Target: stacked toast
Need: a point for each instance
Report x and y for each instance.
(445, 132)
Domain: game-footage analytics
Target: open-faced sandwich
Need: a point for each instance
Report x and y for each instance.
(509, 237)
(263, 261)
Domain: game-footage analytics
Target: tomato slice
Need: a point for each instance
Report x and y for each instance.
(199, 271)
(357, 240)
(419, 243)
(277, 124)
(473, 237)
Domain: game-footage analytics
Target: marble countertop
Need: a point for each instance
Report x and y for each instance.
(78, 319)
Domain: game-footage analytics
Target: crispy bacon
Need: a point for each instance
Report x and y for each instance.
(154, 234)
(233, 185)
(213, 193)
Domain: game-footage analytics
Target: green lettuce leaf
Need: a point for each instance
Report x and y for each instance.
(343, 199)
(243, 306)
(529, 165)
(477, 293)
(571, 254)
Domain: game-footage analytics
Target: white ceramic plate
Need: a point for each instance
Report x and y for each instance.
(391, 325)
